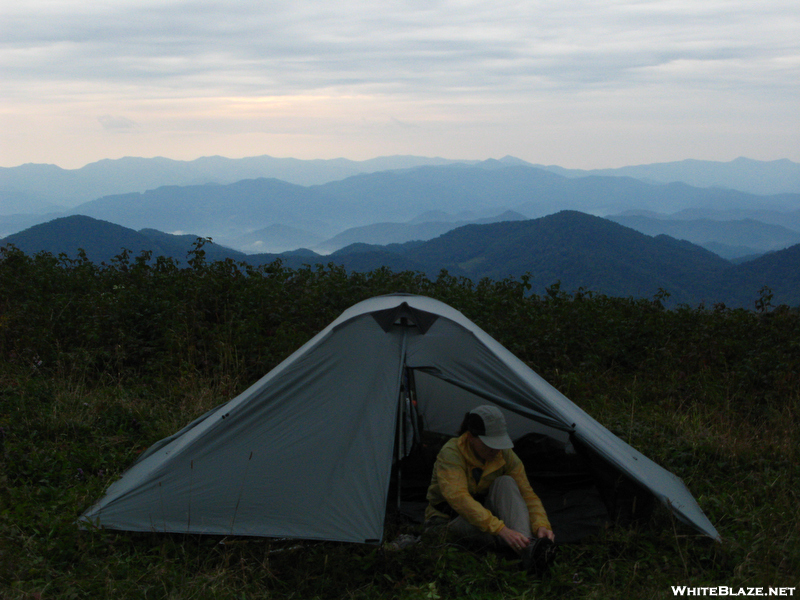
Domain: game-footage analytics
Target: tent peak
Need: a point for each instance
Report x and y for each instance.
(406, 316)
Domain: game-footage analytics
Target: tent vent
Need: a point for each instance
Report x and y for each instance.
(406, 316)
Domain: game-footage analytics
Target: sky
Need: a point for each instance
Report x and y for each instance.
(577, 83)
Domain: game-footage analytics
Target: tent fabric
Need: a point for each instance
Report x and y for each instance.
(307, 451)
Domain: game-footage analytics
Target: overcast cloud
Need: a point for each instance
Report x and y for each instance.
(586, 83)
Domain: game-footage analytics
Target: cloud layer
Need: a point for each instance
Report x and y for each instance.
(590, 83)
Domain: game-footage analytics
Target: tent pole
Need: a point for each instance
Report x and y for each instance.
(401, 414)
(399, 443)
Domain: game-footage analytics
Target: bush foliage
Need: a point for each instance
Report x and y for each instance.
(100, 361)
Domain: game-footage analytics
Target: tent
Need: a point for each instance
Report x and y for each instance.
(309, 450)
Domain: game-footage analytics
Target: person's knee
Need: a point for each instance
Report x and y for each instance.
(505, 482)
(506, 502)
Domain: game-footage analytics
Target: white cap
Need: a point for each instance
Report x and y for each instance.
(495, 434)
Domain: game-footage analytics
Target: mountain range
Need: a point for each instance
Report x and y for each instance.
(571, 248)
(743, 174)
(422, 202)
(702, 231)
(43, 188)
(47, 188)
(734, 239)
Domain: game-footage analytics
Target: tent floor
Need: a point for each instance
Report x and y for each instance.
(574, 503)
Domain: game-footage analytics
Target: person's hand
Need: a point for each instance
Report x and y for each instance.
(545, 532)
(515, 540)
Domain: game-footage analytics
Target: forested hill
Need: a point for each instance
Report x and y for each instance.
(598, 255)
(578, 250)
(103, 241)
(573, 249)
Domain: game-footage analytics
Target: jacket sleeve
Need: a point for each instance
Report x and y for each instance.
(454, 487)
(535, 508)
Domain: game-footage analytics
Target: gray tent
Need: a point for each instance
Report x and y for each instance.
(308, 451)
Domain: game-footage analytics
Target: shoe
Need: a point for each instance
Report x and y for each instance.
(536, 558)
(403, 541)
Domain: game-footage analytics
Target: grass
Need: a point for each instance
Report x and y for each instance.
(63, 442)
(99, 362)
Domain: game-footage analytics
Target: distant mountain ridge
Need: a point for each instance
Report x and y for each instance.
(46, 188)
(400, 199)
(743, 174)
(229, 212)
(721, 237)
(571, 248)
(41, 188)
(398, 233)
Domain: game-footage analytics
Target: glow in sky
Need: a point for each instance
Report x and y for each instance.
(579, 83)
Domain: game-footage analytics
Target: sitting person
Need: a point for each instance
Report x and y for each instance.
(480, 491)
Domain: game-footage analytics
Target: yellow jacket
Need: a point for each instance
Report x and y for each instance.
(454, 482)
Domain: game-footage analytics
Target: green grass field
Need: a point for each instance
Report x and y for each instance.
(99, 363)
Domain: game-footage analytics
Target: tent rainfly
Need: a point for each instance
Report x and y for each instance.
(308, 451)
